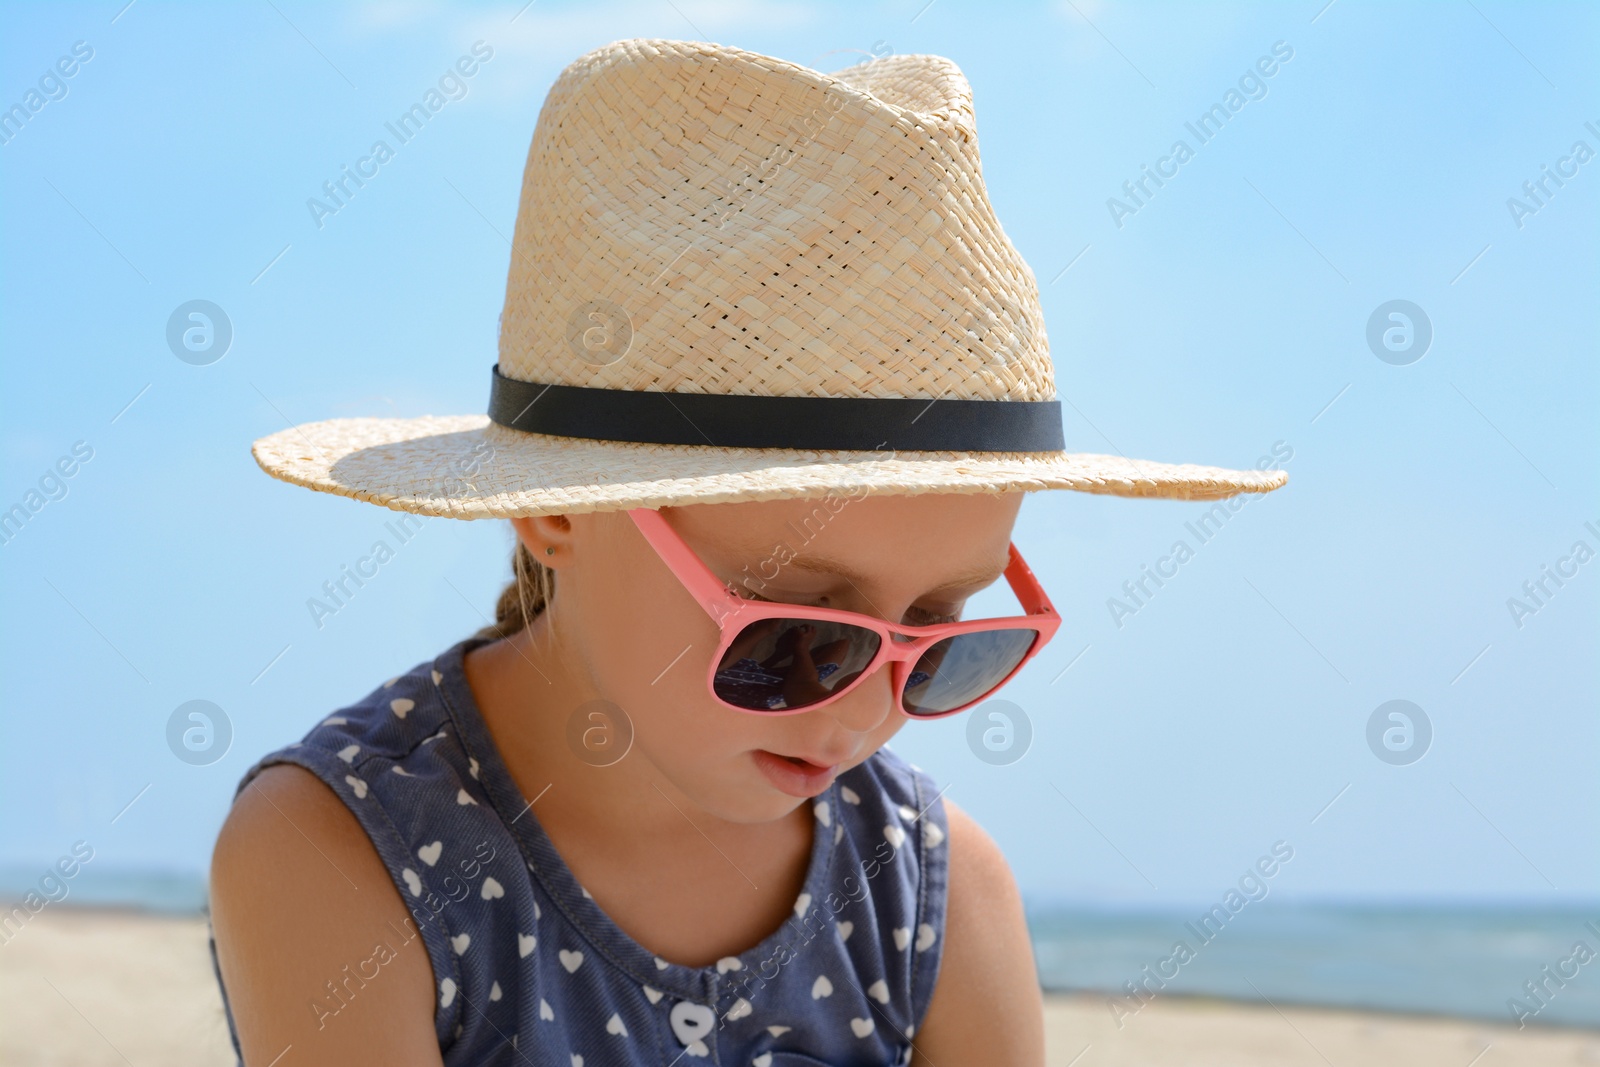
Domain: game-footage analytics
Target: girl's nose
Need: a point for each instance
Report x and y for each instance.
(869, 704)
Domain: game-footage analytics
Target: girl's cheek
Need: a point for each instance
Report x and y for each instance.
(878, 738)
(684, 726)
(893, 725)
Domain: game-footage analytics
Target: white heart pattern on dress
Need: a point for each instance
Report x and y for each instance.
(463, 797)
(460, 943)
(661, 964)
(902, 937)
(777, 1031)
(729, 963)
(740, 1009)
(861, 1027)
(850, 796)
(614, 1026)
(402, 772)
(437, 677)
(492, 890)
(908, 814)
(390, 683)
(652, 995)
(895, 834)
(495, 992)
(544, 1011)
(846, 928)
(525, 944)
(879, 991)
(571, 960)
(691, 1022)
(335, 720)
(763, 1060)
(447, 992)
(824, 816)
(356, 784)
(429, 854)
(413, 883)
(838, 833)
(821, 987)
(932, 834)
(577, 1060)
(348, 753)
(401, 706)
(925, 936)
(802, 905)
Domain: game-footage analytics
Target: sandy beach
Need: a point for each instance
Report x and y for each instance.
(86, 987)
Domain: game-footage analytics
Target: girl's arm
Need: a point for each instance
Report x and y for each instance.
(986, 1005)
(300, 899)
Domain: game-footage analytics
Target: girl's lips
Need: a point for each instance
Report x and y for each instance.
(797, 777)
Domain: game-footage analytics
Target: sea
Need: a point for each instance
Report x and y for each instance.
(1467, 960)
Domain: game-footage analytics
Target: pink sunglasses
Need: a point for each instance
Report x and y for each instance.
(782, 659)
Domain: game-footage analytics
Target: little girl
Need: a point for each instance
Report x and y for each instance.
(772, 384)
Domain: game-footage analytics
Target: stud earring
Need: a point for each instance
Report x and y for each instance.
(549, 550)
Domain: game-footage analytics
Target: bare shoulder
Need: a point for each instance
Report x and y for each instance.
(986, 1005)
(315, 945)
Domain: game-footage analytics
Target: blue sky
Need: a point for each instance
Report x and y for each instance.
(1225, 317)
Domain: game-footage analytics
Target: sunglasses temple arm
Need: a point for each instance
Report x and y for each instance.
(1029, 593)
(718, 601)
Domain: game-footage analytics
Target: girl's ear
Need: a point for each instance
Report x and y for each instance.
(546, 537)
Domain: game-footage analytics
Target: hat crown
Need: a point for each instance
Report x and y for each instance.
(697, 218)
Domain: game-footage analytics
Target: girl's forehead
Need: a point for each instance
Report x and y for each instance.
(828, 566)
(938, 540)
(864, 514)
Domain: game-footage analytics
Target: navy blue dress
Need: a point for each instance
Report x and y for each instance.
(529, 971)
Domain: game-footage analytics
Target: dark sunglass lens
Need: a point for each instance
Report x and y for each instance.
(781, 664)
(961, 669)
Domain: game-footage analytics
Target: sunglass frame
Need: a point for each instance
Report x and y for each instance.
(899, 646)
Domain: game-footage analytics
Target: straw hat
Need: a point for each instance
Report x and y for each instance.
(736, 278)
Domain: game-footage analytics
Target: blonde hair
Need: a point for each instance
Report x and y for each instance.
(532, 588)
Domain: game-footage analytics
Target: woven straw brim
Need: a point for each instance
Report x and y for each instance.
(465, 467)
